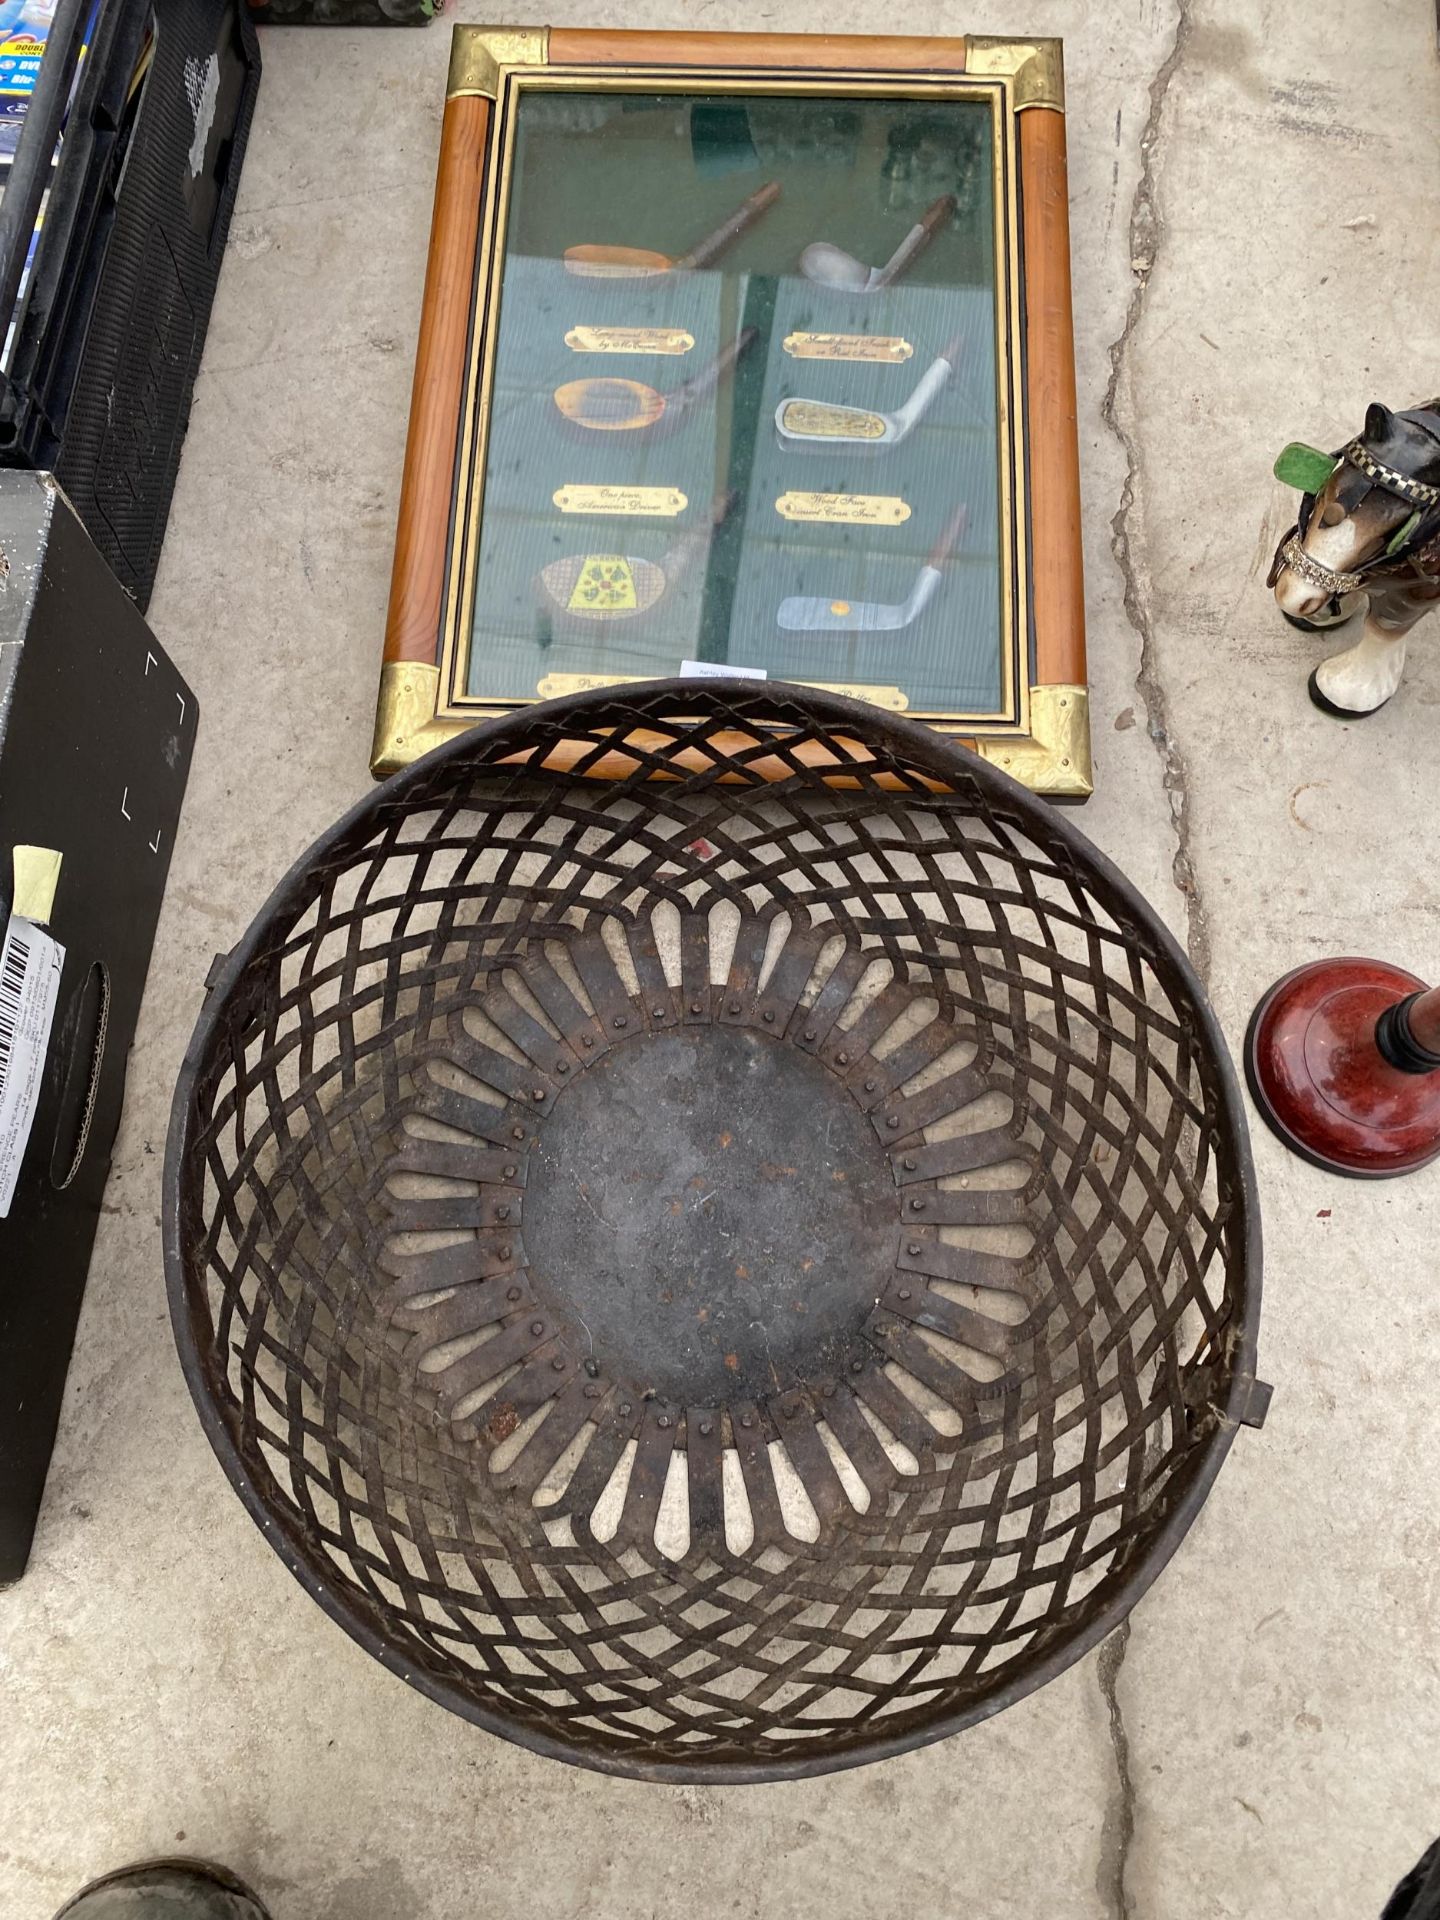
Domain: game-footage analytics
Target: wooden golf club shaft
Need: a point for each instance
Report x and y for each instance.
(950, 537)
(920, 236)
(712, 375)
(691, 543)
(730, 230)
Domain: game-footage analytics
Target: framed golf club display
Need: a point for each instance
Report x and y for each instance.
(747, 353)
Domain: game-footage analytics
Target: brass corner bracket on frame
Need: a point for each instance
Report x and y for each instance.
(1055, 758)
(405, 720)
(478, 53)
(1036, 68)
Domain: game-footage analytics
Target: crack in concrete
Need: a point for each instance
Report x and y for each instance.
(1119, 1826)
(1147, 233)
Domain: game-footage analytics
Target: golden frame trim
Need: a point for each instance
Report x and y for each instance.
(556, 686)
(406, 720)
(479, 54)
(995, 90)
(1055, 760)
(1046, 744)
(1035, 68)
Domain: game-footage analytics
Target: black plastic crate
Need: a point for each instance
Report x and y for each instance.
(113, 318)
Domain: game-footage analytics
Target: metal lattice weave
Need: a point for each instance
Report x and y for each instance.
(729, 1268)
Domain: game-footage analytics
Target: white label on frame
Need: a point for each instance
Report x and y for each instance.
(718, 670)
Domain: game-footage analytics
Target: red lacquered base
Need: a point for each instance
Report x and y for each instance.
(1321, 1083)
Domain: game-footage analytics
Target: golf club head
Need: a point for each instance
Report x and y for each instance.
(598, 262)
(818, 428)
(804, 613)
(816, 425)
(605, 404)
(612, 587)
(600, 586)
(831, 266)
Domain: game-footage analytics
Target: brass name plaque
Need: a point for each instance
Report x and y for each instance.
(654, 503)
(629, 340)
(845, 509)
(554, 686)
(891, 698)
(885, 348)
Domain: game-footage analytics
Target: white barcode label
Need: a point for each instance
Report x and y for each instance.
(30, 963)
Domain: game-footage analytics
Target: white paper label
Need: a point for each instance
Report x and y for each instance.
(202, 89)
(30, 963)
(718, 670)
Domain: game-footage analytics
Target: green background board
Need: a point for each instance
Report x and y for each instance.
(659, 172)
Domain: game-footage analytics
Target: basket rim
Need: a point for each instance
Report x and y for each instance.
(191, 1324)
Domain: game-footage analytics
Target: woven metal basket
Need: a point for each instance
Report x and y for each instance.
(723, 1270)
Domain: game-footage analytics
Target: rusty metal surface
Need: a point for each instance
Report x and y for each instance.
(714, 1279)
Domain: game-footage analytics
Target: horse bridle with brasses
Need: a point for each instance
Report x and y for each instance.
(1415, 546)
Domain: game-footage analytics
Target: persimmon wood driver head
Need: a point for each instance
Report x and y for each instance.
(612, 587)
(600, 262)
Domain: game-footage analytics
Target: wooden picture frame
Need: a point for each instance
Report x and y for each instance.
(1042, 736)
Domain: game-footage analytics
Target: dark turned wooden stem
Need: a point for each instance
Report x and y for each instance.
(1343, 1060)
(1425, 1020)
(1407, 1033)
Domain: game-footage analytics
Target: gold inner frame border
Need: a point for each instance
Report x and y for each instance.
(512, 82)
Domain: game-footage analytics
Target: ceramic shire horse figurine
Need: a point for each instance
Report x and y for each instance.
(1368, 536)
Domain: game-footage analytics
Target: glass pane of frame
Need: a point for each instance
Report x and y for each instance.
(746, 371)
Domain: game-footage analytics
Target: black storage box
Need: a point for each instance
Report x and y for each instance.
(96, 733)
(112, 320)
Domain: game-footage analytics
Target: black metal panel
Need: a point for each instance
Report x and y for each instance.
(96, 733)
(113, 322)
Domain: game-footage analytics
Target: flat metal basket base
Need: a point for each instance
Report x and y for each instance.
(714, 1215)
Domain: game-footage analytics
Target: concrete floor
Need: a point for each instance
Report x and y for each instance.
(1255, 200)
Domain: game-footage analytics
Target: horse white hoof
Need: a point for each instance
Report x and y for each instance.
(1327, 705)
(1362, 678)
